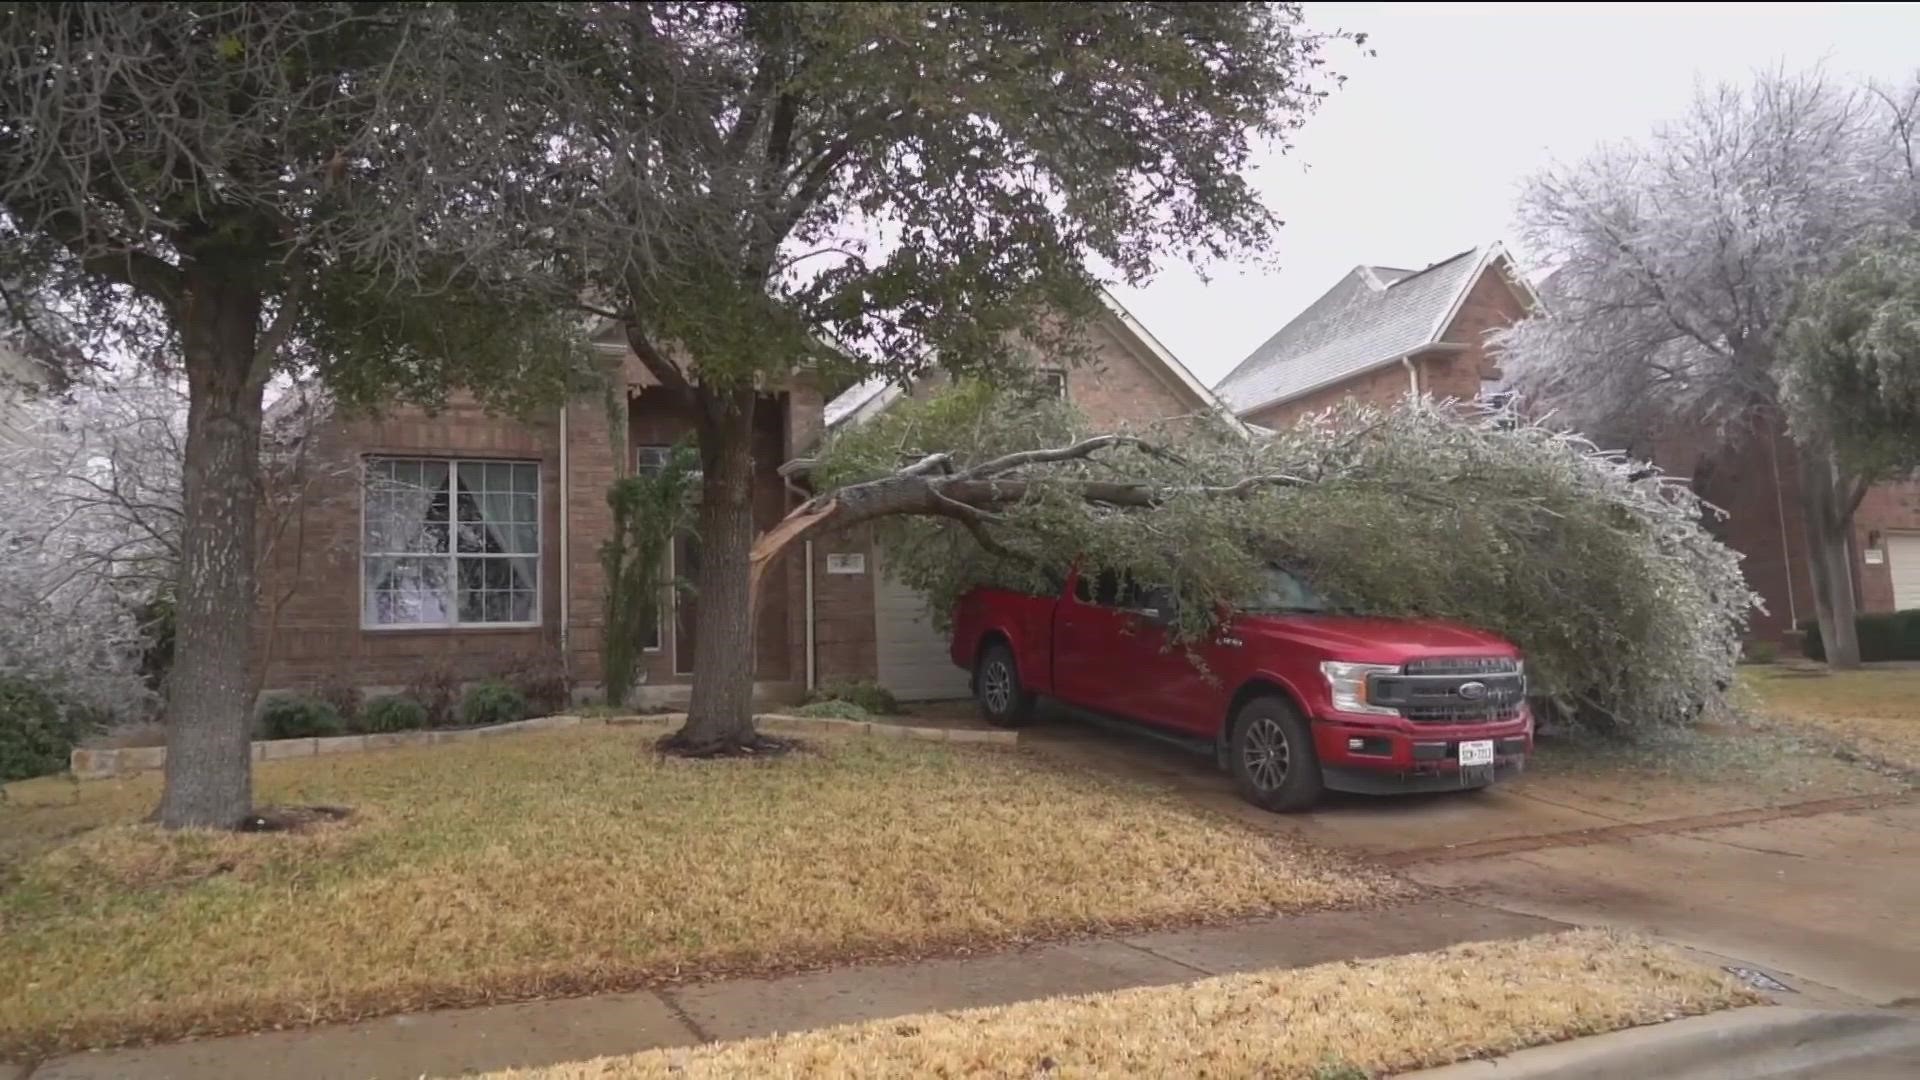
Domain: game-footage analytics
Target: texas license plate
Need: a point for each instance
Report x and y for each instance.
(1477, 752)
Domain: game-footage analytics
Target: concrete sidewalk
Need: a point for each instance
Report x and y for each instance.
(456, 1041)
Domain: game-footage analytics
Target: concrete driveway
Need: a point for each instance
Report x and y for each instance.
(1814, 882)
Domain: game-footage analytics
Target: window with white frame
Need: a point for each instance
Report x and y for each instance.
(450, 543)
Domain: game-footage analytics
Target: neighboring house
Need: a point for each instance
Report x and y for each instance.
(473, 541)
(1381, 333)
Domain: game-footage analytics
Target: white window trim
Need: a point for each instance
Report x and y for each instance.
(367, 622)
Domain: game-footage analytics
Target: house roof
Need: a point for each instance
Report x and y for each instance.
(1373, 316)
(864, 399)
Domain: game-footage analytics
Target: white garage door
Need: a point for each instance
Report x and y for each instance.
(1903, 558)
(912, 656)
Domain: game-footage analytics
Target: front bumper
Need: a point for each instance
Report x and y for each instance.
(1385, 755)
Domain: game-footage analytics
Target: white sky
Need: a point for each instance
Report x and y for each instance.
(1420, 155)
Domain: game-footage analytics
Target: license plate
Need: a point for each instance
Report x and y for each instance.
(1477, 752)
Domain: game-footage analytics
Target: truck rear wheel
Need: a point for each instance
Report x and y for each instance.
(1270, 752)
(996, 686)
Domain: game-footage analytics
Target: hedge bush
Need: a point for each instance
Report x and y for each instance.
(866, 693)
(833, 709)
(291, 716)
(542, 680)
(437, 688)
(395, 712)
(492, 703)
(37, 733)
(1885, 635)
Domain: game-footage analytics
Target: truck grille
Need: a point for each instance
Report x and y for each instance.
(1453, 690)
(1460, 714)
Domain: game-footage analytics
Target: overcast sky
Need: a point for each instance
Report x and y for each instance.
(1419, 156)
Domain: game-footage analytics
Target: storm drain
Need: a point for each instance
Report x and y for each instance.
(1759, 980)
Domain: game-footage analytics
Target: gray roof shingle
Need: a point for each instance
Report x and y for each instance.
(1374, 314)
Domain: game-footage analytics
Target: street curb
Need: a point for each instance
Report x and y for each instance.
(1762, 1041)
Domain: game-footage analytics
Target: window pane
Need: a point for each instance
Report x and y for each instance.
(526, 478)
(520, 539)
(470, 607)
(406, 590)
(524, 509)
(521, 606)
(473, 475)
(497, 574)
(499, 476)
(526, 572)
(496, 607)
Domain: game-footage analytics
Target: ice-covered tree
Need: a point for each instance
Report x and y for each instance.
(1677, 261)
(1598, 566)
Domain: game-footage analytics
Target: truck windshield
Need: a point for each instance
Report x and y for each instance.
(1283, 591)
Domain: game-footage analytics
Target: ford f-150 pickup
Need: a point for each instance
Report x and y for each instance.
(1294, 696)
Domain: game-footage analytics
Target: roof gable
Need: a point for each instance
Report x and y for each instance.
(874, 395)
(1372, 316)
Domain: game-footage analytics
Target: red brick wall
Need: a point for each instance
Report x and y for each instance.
(1490, 305)
(1381, 386)
(1115, 386)
(316, 565)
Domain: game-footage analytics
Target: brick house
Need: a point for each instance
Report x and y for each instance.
(1383, 332)
(466, 541)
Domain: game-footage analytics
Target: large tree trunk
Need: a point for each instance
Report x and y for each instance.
(209, 780)
(720, 717)
(1828, 519)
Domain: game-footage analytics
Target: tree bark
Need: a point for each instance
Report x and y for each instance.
(1828, 519)
(720, 716)
(209, 781)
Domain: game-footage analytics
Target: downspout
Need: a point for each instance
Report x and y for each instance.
(1413, 375)
(566, 553)
(813, 679)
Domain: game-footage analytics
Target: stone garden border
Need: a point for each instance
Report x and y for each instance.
(105, 763)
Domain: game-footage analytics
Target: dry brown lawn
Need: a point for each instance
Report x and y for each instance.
(575, 862)
(1343, 1019)
(1875, 710)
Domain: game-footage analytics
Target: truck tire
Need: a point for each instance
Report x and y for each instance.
(1270, 752)
(996, 686)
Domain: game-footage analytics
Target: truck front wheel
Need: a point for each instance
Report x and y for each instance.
(996, 685)
(1271, 755)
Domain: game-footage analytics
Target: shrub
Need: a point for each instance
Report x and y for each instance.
(1759, 651)
(344, 696)
(542, 680)
(290, 716)
(833, 708)
(492, 703)
(394, 712)
(867, 694)
(437, 689)
(36, 732)
(1884, 635)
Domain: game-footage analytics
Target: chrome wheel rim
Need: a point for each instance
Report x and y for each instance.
(1266, 754)
(996, 686)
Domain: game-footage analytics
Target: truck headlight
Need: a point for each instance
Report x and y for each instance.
(1348, 685)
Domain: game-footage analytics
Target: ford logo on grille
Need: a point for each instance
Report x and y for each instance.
(1472, 691)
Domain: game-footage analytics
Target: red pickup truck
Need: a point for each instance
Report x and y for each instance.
(1295, 697)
